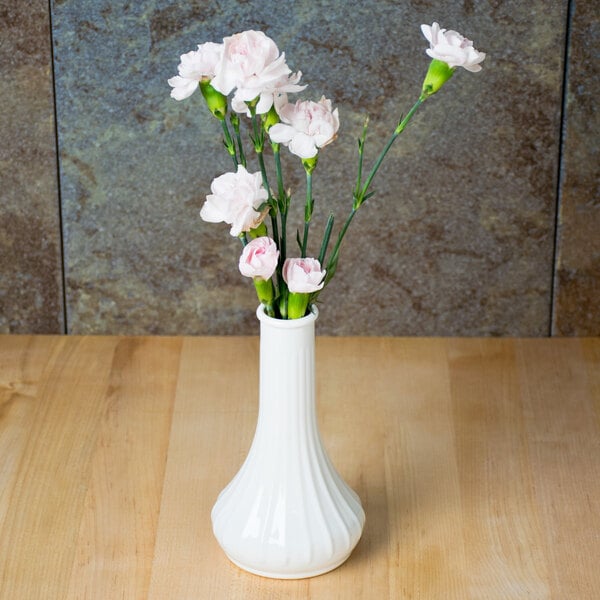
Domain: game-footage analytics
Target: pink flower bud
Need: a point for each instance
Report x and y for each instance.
(259, 258)
(303, 275)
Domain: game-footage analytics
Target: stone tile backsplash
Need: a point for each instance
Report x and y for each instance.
(486, 217)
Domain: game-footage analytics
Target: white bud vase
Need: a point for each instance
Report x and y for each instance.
(287, 513)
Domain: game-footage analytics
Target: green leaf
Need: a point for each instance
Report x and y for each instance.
(326, 237)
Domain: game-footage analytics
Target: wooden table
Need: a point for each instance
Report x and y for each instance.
(478, 463)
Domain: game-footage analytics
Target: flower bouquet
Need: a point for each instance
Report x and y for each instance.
(249, 67)
(287, 513)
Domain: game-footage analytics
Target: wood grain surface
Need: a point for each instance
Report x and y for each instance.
(477, 461)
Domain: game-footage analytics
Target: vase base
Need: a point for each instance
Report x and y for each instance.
(291, 575)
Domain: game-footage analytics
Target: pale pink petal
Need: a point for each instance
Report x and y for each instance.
(182, 88)
(281, 133)
(303, 145)
(452, 48)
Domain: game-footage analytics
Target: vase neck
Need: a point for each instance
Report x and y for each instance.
(287, 371)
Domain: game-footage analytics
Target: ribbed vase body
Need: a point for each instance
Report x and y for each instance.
(287, 513)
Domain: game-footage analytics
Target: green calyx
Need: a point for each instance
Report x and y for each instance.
(216, 102)
(297, 305)
(259, 231)
(438, 73)
(264, 290)
(309, 164)
(266, 294)
(271, 118)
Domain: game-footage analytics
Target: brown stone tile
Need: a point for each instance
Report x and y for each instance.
(577, 285)
(30, 268)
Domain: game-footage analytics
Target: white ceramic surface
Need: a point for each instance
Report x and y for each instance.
(287, 513)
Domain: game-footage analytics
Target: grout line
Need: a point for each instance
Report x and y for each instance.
(561, 170)
(58, 181)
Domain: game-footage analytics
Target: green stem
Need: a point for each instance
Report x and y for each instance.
(235, 121)
(229, 144)
(283, 203)
(279, 172)
(361, 193)
(326, 237)
(411, 112)
(361, 151)
(333, 260)
(308, 209)
(331, 265)
(258, 140)
(273, 215)
(399, 129)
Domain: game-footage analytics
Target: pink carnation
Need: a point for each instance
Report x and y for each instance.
(306, 126)
(195, 66)
(303, 275)
(452, 48)
(252, 66)
(259, 258)
(236, 199)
